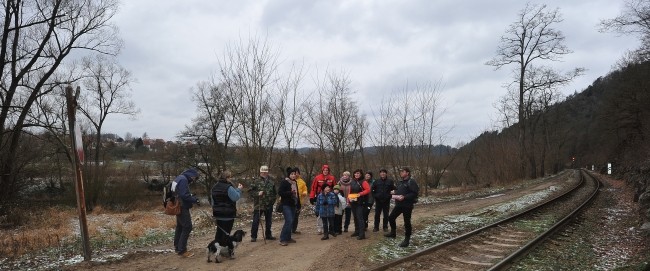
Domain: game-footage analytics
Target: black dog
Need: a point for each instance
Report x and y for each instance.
(230, 242)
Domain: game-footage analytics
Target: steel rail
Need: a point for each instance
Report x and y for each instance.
(426, 251)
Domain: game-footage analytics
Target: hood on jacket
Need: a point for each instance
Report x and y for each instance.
(325, 167)
(190, 173)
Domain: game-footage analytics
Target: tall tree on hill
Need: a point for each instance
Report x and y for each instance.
(106, 91)
(531, 39)
(36, 38)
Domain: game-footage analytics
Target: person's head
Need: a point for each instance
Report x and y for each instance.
(225, 175)
(291, 173)
(325, 170)
(297, 170)
(337, 188)
(191, 175)
(326, 189)
(346, 174)
(264, 171)
(405, 172)
(383, 173)
(368, 175)
(358, 174)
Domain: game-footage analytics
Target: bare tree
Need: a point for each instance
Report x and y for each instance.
(333, 120)
(295, 113)
(531, 39)
(633, 20)
(37, 36)
(107, 92)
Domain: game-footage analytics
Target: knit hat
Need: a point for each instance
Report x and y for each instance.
(337, 187)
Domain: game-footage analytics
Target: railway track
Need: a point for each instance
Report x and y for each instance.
(496, 246)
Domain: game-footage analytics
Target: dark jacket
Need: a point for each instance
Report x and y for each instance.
(381, 189)
(183, 188)
(222, 205)
(409, 189)
(287, 197)
(362, 188)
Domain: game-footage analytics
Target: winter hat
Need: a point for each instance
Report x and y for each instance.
(325, 167)
(337, 187)
(264, 169)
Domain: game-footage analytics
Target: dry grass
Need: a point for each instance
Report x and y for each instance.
(43, 229)
(59, 226)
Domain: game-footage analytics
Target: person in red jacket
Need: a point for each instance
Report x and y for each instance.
(325, 178)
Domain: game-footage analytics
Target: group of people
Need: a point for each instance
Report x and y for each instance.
(334, 202)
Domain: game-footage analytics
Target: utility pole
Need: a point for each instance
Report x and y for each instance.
(77, 146)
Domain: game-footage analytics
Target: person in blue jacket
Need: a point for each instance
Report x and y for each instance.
(181, 187)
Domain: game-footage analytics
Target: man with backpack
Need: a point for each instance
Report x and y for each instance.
(405, 196)
(381, 192)
(181, 187)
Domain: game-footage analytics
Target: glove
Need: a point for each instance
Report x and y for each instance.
(312, 201)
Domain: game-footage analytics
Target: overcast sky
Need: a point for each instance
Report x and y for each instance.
(382, 45)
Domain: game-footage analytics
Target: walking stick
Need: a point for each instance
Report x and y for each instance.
(260, 221)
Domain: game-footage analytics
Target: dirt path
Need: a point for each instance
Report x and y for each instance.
(309, 253)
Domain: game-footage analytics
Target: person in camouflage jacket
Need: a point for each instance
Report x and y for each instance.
(263, 195)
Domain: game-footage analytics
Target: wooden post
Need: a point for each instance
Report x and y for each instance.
(79, 184)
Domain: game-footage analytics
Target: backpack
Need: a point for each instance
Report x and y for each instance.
(171, 202)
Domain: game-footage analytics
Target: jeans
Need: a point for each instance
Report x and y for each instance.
(381, 208)
(327, 225)
(288, 212)
(359, 224)
(397, 211)
(268, 219)
(183, 229)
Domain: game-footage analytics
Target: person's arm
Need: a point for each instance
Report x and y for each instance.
(183, 191)
(234, 193)
(414, 190)
(312, 193)
(366, 188)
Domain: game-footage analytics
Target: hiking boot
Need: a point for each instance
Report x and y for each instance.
(271, 238)
(291, 241)
(361, 237)
(325, 237)
(390, 235)
(186, 254)
(253, 240)
(354, 234)
(404, 243)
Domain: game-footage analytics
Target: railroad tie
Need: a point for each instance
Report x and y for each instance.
(470, 262)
